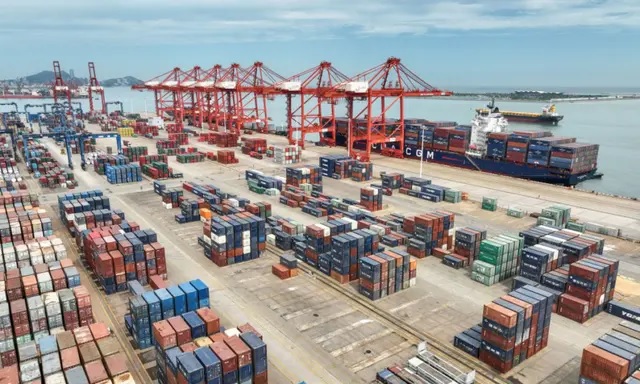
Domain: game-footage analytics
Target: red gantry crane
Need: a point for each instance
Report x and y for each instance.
(381, 88)
(307, 93)
(95, 88)
(189, 93)
(208, 100)
(246, 92)
(168, 96)
(60, 89)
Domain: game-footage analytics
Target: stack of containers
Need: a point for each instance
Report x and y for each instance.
(224, 139)
(614, 357)
(558, 215)
(458, 141)
(135, 153)
(308, 174)
(574, 157)
(33, 252)
(253, 144)
(538, 260)
(118, 257)
(189, 212)
(346, 249)
(590, 287)
(362, 171)
(261, 209)
(441, 138)
(429, 231)
(392, 180)
(148, 308)
(515, 327)
(328, 164)
(540, 149)
(88, 355)
(233, 356)
(120, 174)
(498, 259)
(188, 158)
(517, 148)
(102, 162)
(467, 244)
(385, 273)
(227, 157)
(289, 154)
(235, 238)
(497, 145)
(179, 138)
(371, 199)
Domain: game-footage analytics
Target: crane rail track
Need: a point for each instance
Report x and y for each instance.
(484, 374)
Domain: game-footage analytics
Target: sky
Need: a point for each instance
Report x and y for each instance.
(570, 43)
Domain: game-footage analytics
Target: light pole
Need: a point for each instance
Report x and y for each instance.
(421, 149)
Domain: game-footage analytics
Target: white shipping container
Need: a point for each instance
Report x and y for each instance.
(56, 378)
(50, 363)
(29, 370)
(6, 345)
(246, 249)
(271, 239)
(55, 321)
(51, 303)
(246, 242)
(10, 265)
(5, 316)
(3, 292)
(22, 252)
(246, 234)
(56, 241)
(232, 332)
(206, 239)
(9, 255)
(61, 251)
(44, 282)
(36, 307)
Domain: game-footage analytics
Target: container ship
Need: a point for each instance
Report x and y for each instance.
(548, 115)
(486, 146)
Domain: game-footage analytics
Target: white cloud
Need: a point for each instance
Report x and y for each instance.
(203, 21)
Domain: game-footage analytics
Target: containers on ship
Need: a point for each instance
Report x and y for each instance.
(574, 157)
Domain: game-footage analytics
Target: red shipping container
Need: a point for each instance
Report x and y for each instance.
(9, 374)
(99, 331)
(249, 328)
(164, 334)
(116, 364)
(9, 359)
(96, 373)
(82, 296)
(602, 366)
(242, 351)
(183, 332)
(70, 358)
(210, 319)
(227, 357)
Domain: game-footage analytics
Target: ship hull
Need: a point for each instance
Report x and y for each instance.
(542, 119)
(489, 165)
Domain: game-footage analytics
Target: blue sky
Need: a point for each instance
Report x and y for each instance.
(448, 43)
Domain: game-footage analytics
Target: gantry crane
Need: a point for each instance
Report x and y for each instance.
(116, 103)
(189, 94)
(167, 95)
(60, 89)
(95, 88)
(382, 88)
(310, 107)
(209, 101)
(246, 92)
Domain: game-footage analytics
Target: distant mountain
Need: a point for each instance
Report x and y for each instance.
(126, 81)
(47, 77)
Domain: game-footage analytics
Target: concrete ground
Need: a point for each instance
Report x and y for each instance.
(335, 340)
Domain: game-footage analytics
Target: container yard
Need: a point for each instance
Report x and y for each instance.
(339, 267)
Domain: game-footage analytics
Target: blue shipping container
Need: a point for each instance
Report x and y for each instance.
(203, 292)
(179, 300)
(190, 368)
(211, 364)
(196, 324)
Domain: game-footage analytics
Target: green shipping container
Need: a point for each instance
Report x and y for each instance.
(546, 221)
(515, 212)
(486, 280)
(483, 268)
(576, 227)
(489, 204)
